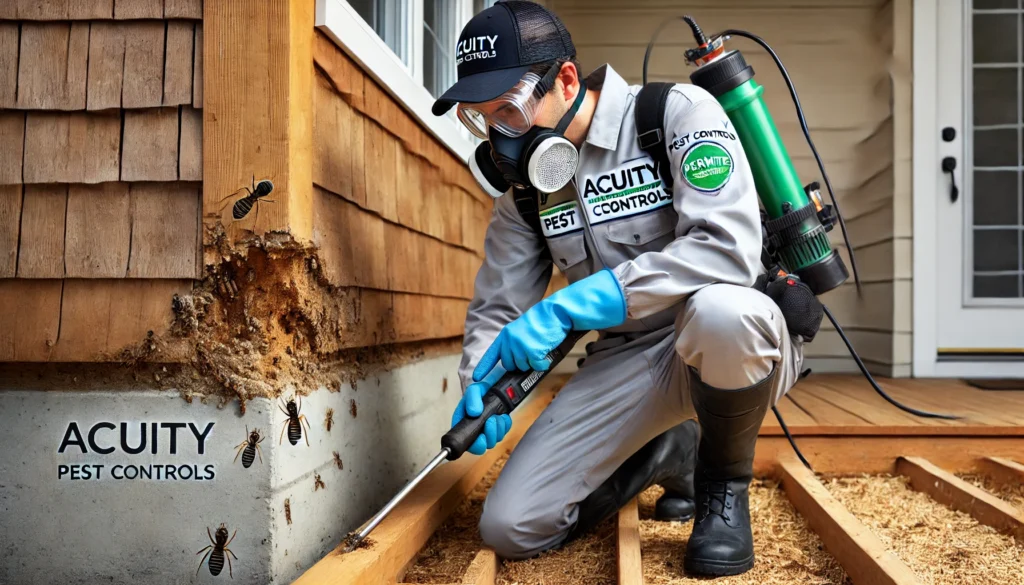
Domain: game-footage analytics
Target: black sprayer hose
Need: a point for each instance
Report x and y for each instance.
(874, 384)
(650, 45)
(807, 135)
(792, 443)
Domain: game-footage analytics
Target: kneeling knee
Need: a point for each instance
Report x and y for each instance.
(501, 529)
(724, 314)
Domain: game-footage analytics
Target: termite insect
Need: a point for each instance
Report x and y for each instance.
(243, 206)
(250, 447)
(216, 551)
(294, 424)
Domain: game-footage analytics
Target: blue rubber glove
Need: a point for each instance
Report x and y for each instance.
(596, 302)
(472, 404)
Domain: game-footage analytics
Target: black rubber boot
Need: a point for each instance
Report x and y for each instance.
(722, 542)
(669, 458)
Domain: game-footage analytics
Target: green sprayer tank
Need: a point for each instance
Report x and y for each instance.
(795, 214)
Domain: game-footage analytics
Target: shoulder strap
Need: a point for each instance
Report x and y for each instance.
(650, 116)
(526, 205)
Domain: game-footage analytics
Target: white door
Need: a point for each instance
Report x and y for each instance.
(980, 226)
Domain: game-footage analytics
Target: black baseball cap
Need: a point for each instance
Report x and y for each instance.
(498, 46)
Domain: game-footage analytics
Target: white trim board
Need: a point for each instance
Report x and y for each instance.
(343, 25)
(924, 155)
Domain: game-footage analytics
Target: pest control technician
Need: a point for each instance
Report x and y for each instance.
(665, 274)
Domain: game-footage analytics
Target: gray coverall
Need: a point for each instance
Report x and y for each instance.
(686, 260)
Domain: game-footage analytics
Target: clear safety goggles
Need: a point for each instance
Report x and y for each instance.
(512, 113)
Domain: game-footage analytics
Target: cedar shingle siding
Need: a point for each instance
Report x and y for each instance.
(100, 172)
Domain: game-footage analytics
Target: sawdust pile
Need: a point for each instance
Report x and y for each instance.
(940, 545)
(452, 547)
(1008, 492)
(448, 553)
(588, 560)
(787, 551)
(265, 322)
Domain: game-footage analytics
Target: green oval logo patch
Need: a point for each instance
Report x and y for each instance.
(706, 167)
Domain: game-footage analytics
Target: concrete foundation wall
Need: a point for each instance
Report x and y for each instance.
(56, 526)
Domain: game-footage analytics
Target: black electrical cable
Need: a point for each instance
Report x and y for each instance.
(871, 379)
(792, 443)
(807, 135)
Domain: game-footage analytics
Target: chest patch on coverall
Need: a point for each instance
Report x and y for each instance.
(630, 189)
(560, 219)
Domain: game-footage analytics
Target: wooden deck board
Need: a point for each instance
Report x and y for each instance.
(832, 404)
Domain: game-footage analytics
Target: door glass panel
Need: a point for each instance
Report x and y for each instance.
(997, 286)
(995, 258)
(995, 96)
(995, 147)
(995, 38)
(988, 4)
(995, 250)
(995, 197)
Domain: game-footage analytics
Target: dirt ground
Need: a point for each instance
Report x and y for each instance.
(942, 546)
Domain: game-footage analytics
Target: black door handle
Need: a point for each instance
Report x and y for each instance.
(948, 166)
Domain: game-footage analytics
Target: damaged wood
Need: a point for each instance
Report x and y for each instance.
(400, 536)
(864, 557)
(948, 489)
(100, 319)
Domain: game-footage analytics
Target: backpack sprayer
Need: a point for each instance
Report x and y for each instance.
(795, 221)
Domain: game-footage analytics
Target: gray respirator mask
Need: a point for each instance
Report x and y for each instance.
(542, 158)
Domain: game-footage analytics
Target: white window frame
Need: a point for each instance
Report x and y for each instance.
(343, 25)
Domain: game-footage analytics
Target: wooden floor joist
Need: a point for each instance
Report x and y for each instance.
(483, 570)
(631, 571)
(946, 488)
(1004, 471)
(397, 540)
(865, 558)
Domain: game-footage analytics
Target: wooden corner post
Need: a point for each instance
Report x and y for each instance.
(257, 114)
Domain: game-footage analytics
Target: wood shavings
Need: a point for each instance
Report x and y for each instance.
(787, 551)
(1013, 494)
(940, 545)
(588, 560)
(452, 547)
